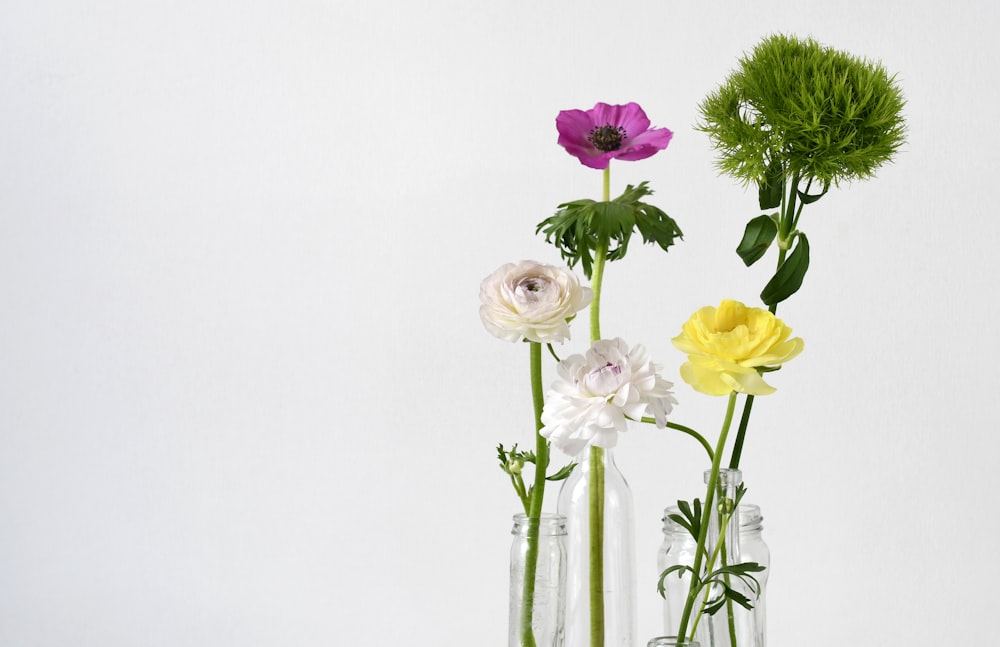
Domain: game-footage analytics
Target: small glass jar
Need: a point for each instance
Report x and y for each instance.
(538, 598)
(746, 545)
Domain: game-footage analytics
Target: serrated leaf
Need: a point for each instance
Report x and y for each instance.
(683, 523)
(741, 568)
(716, 604)
(757, 237)
(770, 189)
(562, 473)
(738, 598)
(578, 226)
(656, 226)
(788, 279)
(741, 489)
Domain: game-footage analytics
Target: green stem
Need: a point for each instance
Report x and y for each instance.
(521, 494)
(597, 275)
(703, 532)
(535, 500)
(731, 619)
(596, 477)
(596, 547)
(720, 550)
(734, 461)
(786, 224)
(687, 430)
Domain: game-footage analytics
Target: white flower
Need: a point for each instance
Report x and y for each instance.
(531, 300)
(597, 393)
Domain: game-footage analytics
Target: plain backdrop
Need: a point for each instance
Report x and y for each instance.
(245, 395)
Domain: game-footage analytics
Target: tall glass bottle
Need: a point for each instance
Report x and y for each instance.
(538, 618)
(597, 503)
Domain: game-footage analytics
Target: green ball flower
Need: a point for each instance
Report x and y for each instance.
(819, 113)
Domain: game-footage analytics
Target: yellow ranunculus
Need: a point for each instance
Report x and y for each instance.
(725, 345)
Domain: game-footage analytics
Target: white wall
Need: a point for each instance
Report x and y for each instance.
(245, 396)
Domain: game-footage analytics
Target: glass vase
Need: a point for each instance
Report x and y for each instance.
(743, 544)
(600, 582)
(537, 582)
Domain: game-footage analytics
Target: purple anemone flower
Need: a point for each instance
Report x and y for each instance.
(605, 132)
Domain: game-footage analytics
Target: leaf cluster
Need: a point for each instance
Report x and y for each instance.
(720, 581)
(577, 227)
(815, 112)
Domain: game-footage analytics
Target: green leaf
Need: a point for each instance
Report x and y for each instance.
(656, 226)
(770, 189)
(741, 489)
(561, 474)
(808, 198)
(680, 569)
(788, 279)
(577, 226)
(757, 237)
(738, 598)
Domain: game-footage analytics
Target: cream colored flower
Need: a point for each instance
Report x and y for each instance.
(531, 300)
(598, 393)
(726, 345)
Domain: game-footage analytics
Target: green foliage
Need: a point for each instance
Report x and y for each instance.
(788, 279)
(578, 226)
(690, 517)
(721, 582)
(512, 462)
(797, 109)
(757, 237)
(562, 473)
(771, 187)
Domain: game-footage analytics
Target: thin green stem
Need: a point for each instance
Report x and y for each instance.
(597, 275)
(596, 547)
(687, 430)
(734, 461)
(535, 500)
(596, 474)
(786, 224)
(710, 566)
(730, 618)
(518, 483)
(596, 283)
(703, 532)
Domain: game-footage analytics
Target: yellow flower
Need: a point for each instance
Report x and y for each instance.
(725, 345)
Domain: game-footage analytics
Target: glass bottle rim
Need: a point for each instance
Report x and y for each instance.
(550, 524)
(750, 518)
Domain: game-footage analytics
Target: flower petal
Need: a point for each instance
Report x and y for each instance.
(630, 117)
(644, 145)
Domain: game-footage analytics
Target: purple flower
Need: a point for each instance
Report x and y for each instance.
(622, 132)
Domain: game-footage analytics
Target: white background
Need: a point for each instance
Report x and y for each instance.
(245, 396)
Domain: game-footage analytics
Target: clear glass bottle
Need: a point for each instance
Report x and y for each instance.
(546, 614)
(742, 545)
(596, 496)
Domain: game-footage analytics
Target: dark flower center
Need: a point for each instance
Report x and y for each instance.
(607, 138)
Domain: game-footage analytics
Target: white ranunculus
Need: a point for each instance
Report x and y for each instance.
(598, 392)
(531, 300)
